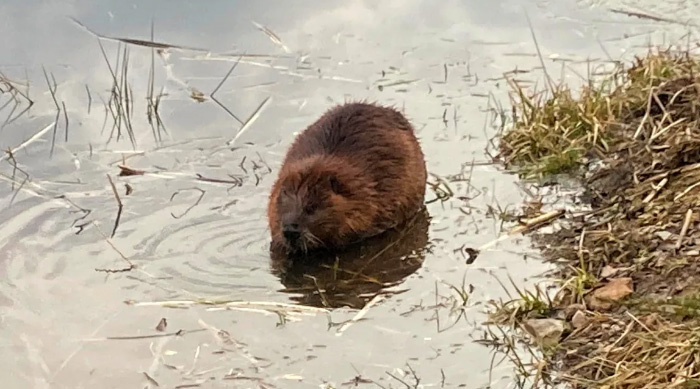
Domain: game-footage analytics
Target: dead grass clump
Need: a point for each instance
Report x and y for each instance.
(552, 136)
(558, 132)
(647, 352)
(641, 127)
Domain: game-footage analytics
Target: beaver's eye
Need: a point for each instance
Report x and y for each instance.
(335, 184)
(309, 208)
(287, 192)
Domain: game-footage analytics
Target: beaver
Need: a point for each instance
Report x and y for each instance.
(354, 173)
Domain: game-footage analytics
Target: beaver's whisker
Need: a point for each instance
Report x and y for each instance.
(312, 238)
(351, 227)
(315, 239)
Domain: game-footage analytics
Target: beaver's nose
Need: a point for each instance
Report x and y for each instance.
(291, 231)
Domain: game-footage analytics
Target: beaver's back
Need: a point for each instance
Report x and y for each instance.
(382, 143)
(379, 139)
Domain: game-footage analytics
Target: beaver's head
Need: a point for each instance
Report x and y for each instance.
(322, 202)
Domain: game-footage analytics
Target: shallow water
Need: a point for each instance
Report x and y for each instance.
(194, 239)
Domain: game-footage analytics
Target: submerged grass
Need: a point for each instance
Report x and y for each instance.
(627, 301)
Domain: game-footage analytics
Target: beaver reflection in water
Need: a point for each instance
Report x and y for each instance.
(352, 277)
(354, 173)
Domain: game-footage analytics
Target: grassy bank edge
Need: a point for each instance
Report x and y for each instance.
(625, 310)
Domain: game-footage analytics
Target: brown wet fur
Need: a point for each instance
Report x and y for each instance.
(354, 173)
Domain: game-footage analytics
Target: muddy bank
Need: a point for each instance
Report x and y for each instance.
(625, 309)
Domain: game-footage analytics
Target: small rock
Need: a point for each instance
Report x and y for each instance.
(651, 321)
(664, 235)
(608, 271)
(572, 309)
(162, 325)
(579, 320)
(559, 314)
(603, 298)
(545, 331)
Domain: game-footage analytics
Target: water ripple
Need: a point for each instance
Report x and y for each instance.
(210, 254)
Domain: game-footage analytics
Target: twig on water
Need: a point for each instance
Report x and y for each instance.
(260, 158)
(527, 225)
(65, 115)
(442, 189)
(241, 165)
(273, 37)
(127, 94)
(248, 123)
(235, 64)
(116, 118)
(8, 87)
(539, 53)
(415, 376)
(11, 159)
(413, 373)
(149, 98)
(87, 89)
(137, 42)
(641, 15)
(85, 212)
(151, 380)
(266, 306)
(119, 203)
(201, 195)
(125, 171)
(236, 181)
(152, 109)
(140, 337)
(31, 140)
(10, 100)
(359, 314)
(52, 90)
(21, 186)
(119, 95)
(131, 266)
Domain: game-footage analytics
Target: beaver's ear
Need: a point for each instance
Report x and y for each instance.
(335, 184)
